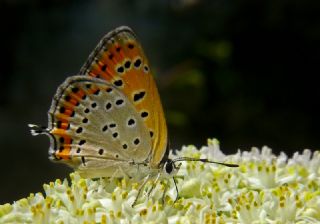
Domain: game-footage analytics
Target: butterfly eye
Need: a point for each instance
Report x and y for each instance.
(169, 167)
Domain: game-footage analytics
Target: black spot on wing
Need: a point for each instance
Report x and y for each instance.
(139, 96)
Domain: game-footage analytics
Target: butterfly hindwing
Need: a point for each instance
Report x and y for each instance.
(93, 125)
(120, 60)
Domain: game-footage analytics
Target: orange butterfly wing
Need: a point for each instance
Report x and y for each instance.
(120, 60)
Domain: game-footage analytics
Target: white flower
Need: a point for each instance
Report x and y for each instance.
(265, 188)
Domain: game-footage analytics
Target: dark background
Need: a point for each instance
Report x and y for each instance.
(243, 71)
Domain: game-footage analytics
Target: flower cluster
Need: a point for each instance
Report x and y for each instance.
(265, 188)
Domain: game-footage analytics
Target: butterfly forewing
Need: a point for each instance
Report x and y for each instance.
(120, 60)
(93, 125)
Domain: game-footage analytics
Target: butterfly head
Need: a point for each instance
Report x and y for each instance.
(170, 168)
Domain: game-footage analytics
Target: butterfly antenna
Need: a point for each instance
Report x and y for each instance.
(204, 161)
(37, 130)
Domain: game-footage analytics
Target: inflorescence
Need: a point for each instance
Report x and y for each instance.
(265, 188)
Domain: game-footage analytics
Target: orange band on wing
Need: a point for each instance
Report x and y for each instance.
(64, 154)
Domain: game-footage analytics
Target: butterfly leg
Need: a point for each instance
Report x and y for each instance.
(154, 184)
(175, 184)
(164, 192)
(114, 174)
(123, 173)
(140, 189)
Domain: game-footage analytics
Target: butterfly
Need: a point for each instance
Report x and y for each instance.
(108, 120)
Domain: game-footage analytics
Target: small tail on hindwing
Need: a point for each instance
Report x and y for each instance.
(37, 130)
